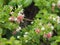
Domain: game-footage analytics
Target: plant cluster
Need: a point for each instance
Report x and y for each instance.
(44, 29)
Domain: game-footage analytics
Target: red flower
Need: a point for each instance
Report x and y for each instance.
(12, 18)
(37, 31)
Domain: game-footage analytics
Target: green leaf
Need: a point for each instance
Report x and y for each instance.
(54, 43)
(58, 27)
(1, 31)
(26, 3)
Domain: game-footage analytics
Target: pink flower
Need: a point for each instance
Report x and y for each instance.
(20, 18)
(49, 35)
(12, 18)
(37, 31)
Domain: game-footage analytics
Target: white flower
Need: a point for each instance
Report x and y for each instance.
(52, 27)
(19, 14)
(11, 7)
(43, 28)
(53, 4)
(15, 19)
(12, 18)
(19, 6)
(9, 18)
(26, 33)
(18, 37)
(31, 22)
(40, 23)
(18, 29)
(54, 19)
(49, 24)
(11, 13)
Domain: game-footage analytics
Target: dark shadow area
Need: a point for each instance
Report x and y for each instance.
(31, 11)
(8, 34)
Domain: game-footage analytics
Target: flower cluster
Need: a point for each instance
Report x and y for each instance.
(18, 19)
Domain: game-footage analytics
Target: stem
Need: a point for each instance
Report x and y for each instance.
(27, 19)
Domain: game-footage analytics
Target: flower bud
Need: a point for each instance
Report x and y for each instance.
(11, 18)
(49, 35)
(37, 31)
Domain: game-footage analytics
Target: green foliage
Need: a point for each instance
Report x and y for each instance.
(21, 2)
(43, 28)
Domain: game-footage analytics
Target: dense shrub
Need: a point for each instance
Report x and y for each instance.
(44, 29)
